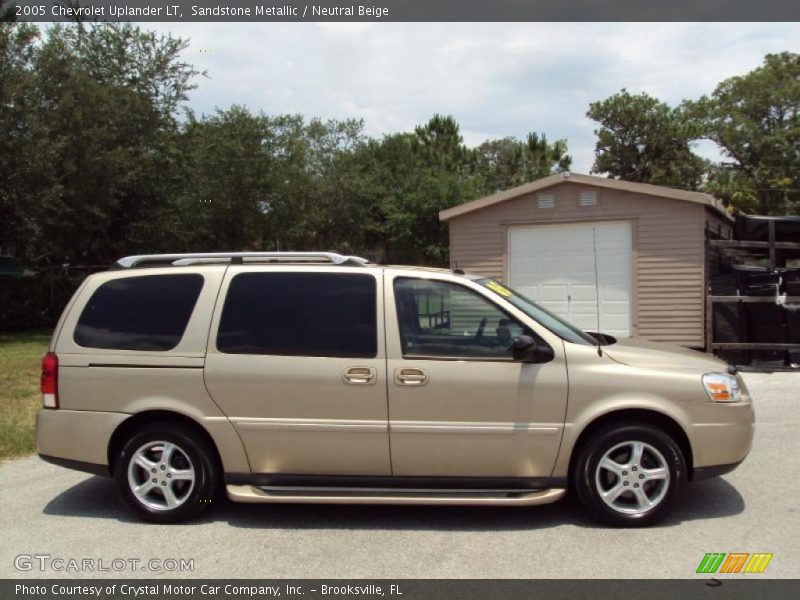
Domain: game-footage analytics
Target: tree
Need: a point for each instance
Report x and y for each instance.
(98, 166)
(735, 187)
(439, 145)
(642, 139)
(313, 205)
(28, 189)
(228, 177)
(259, 182)
(507, 162)
(755, 120)
(544, 158)
(425, 173)
(406, 179)
(93, 111)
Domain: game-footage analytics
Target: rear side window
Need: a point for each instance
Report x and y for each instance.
(300, 314)
(139, 313)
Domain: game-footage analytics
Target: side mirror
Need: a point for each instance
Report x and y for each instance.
(525, 349)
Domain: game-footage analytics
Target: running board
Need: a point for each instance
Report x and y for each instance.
(340, 495)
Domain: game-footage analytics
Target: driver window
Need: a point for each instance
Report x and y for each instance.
(443, 319)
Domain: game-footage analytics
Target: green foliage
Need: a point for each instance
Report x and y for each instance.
(429, 177)
(735, 187)
(414, 176)
(96, 163)
(36, 300)
(26, 186)
(20, 368)
(642, 139)
(90, 113)
(755, 120)
(98, 166)
(508, 162)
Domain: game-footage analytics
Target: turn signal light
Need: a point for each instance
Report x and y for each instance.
(722, 387)
(719, 392)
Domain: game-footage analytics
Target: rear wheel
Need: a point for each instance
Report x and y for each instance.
(166, 473)
(629, 475)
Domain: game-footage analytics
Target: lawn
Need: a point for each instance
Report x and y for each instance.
(20, 364)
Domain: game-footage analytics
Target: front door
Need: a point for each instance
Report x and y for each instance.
(296, 361)
(459, 405)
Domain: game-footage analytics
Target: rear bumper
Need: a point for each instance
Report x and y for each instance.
(77, 465)
(75, 437)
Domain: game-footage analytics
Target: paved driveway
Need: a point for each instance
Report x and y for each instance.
(53, 511)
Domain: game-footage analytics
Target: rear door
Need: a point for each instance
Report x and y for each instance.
(296, 360)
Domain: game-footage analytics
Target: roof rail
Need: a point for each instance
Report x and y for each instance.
(129, 262)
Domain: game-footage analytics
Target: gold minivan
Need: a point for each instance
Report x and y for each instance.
(322, 378)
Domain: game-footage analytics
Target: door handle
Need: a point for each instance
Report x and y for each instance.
(360, 375)
(411, 376)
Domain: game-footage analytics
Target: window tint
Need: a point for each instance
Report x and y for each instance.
(554, 323)
(300, 314)
(139, 313)
(444, 319)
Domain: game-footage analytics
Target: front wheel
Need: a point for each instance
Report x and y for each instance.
(629, 475)
(166, 473)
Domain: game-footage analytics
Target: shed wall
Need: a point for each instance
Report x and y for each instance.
(668, 251)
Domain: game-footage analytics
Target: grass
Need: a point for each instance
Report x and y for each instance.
(20, 366)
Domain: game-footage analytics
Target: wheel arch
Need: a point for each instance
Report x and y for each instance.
(139, 420)
(643, 415)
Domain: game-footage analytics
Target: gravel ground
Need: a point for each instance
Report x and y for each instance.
(52, 511)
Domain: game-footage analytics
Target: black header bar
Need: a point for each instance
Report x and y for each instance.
(700, 588)
(402, 10)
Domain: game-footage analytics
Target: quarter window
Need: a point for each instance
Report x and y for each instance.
(442, 319)
(300, 314)
(139, 313)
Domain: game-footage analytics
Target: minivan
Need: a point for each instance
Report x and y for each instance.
(322, 378)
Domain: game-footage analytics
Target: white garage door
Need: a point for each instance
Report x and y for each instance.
(580, 272)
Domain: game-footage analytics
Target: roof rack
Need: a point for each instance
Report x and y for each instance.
(236, 258)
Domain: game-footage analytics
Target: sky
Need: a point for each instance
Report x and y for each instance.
(496, 79)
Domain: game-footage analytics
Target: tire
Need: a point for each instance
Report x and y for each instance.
(637, 494)
(178, 488)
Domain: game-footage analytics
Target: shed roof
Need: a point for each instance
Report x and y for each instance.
(600, 182)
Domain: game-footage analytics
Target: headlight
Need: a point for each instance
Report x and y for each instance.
(722, 387)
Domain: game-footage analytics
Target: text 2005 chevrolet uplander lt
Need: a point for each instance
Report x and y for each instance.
(316, 377)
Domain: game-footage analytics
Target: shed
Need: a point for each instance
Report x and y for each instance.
(623, 258)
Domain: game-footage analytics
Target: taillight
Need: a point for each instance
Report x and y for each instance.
(50, 380)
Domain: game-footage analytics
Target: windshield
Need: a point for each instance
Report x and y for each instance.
(554, 323)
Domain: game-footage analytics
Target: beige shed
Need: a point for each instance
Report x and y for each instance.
(628, 259)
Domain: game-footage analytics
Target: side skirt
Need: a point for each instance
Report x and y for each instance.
(328, 489)
(394, 482)
(463, 497)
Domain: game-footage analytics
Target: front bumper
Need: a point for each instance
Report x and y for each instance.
(721, 435)
(715, 471)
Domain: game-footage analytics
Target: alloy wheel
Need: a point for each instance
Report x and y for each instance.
(632, 477)
(161, 475)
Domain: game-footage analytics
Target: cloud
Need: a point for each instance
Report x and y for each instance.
(497, 79)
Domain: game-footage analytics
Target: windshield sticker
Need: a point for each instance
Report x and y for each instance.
(499, 289)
